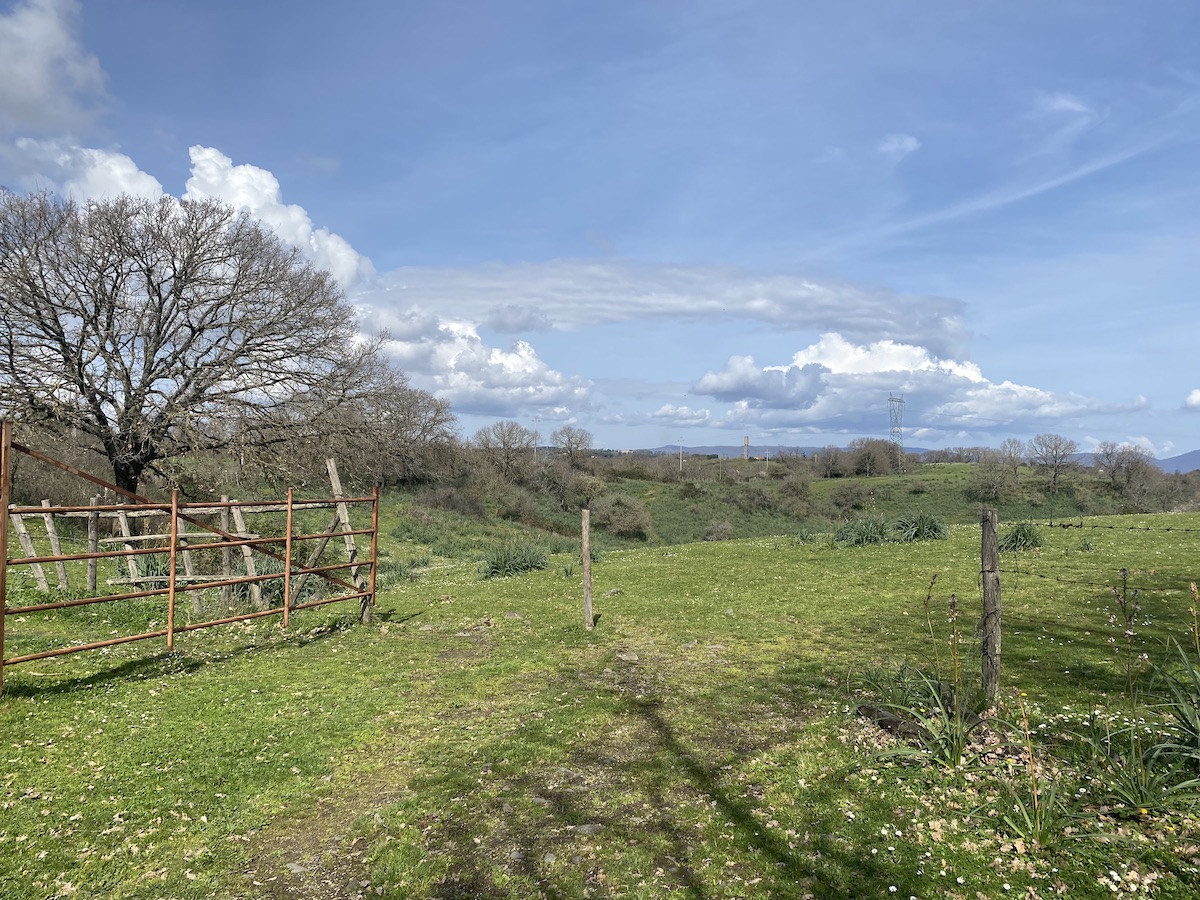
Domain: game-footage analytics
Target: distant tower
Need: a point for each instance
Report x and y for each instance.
(896, 417)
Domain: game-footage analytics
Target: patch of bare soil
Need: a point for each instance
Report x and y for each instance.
(309, 855)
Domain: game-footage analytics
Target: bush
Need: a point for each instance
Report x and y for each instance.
(456, 499)
(919, 527)
(622, 515)
(867, 530)
(754, 498)
(849, 495)
(719, 531)
(1025, 536)
(513, 559)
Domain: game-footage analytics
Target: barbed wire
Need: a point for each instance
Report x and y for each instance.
(1131, 585)
(1114, 527)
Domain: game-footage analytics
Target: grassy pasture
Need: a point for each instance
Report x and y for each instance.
(475, 741)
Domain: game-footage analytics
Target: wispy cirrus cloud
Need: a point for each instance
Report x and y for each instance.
(897, 146)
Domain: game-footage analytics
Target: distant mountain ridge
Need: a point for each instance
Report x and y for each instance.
(1185, 462)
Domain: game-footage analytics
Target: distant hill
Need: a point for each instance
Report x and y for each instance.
(1187, 462)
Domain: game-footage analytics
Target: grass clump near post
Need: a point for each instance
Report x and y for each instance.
(859, 532)
(919, 527)
(1023, 536)
(513, 559)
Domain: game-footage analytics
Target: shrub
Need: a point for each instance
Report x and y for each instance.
(513, 559)
(461, 500)
(867, 530)
(1025, 536)
(754, 499)
(919, 527)
(719, 531)
(806, 535)
(849, 495)
(622, 515)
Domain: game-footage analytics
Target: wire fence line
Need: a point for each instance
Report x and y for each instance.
(1115, 527)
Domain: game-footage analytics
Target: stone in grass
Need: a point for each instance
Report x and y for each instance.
(627, 656)
(589, 828)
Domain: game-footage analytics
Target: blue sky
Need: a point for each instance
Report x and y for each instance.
(666, 221)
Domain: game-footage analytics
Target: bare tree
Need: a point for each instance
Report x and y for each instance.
(165, 328)
(391, 433)
(1052, 454)
(992, 479)
(573, 443)
(1130, 470)
(1012, 455)
(873, 456)
(507, 445)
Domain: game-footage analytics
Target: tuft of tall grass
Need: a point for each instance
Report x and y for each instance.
(1022, 536)
(919, 527)
(513, 559)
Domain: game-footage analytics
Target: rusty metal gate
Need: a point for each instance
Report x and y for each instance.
(196, 553)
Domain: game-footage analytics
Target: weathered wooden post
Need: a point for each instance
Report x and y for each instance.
(990, 567)
(55, 546)
(586, 556)
(93, 543)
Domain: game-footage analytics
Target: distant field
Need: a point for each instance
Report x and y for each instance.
(475, 741)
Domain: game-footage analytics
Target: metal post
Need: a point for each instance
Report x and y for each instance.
(5, 497)
(287, 563)
(171, 570)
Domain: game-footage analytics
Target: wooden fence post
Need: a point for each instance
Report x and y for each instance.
(93, 544)
(990, 567)
(586, 557)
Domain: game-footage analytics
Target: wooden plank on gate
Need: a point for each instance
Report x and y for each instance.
(239, 522)
(127, 532)
(343, 513)
(55, 546)
(39, 575)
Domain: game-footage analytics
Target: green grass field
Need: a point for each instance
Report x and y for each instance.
(702, 741)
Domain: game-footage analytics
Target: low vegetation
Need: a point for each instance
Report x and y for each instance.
(706, 738)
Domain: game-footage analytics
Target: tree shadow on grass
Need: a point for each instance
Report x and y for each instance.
(657, 796)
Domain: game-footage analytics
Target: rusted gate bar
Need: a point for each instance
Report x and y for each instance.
(287, 562)
(369, 601)
(5, 497)
(173, 559)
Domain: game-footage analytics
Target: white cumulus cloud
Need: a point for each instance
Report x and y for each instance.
(1193, 399)
(257, 191)
(450, 359)
(81, 173)
(834, 382)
